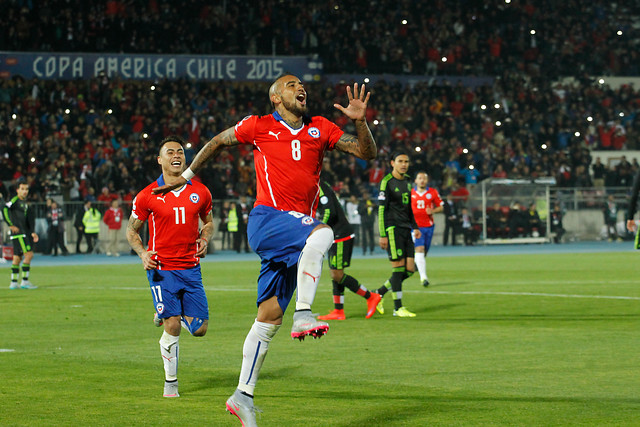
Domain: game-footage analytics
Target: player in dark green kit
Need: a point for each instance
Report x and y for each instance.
(396, 221)
(331, 213)
(22, 224)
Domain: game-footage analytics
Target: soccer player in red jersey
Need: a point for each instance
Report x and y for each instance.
(172, 259)
(288, 148)
(425, 201)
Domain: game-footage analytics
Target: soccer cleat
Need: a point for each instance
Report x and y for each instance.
(380, 305)
(14, 285)
(403, 312)
(27, 285)
(242, 407)
(425, 283)
(157, 321)
(171, 389)
(372, 304)
(304, 323)
(336, 314)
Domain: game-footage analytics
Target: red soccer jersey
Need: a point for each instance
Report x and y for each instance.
(173, 222)
(420, 202)
(288, 161)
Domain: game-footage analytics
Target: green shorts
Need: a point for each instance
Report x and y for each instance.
(400, 243)
(340, 254)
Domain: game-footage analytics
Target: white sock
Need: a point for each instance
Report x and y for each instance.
(169, 352)
(310, 266)
(421, 263)
(253, 353)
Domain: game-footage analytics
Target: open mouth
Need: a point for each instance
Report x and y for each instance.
(302, 98)
(176, 163)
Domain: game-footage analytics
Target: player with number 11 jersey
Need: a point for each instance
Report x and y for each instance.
(173, 222)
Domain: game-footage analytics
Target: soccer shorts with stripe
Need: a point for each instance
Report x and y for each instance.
(340, 254)
(22, 243)
(278, 237)
(400, 243)
(178, 293)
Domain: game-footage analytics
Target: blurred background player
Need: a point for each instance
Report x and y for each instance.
(288, 147)
(331, 213)
(396, 223)
(21, 222)
(425, 201)
(172, 260)
(113, 218)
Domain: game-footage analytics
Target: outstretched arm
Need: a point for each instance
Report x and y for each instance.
(211, 149)
(363, 145)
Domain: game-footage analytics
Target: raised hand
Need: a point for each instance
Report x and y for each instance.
(357, 108)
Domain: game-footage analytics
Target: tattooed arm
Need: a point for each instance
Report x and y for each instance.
(133, 236)
(211, 149)
(363, 145)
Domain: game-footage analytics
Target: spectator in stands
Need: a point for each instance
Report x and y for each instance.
(452, 221)
(55, 221)
(113, 219)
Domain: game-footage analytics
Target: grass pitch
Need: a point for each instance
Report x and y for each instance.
(498, 340)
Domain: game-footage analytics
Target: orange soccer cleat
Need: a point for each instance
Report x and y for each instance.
(372, 302)
(333, 315)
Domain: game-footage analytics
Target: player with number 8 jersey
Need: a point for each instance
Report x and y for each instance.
(280, 150)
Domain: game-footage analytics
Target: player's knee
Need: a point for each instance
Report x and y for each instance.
(203, 329)
(265, 331)
(194, 325)
(337, 275)
(320, 239)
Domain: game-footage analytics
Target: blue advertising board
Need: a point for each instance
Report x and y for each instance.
(69, 66)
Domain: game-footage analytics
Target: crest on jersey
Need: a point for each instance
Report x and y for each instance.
(307, 220)
(324, 200)
(429, 196)
(314, 132)
(160, 308)
(194, 197)
(381, 196)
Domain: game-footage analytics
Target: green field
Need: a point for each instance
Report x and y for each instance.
(498, 340)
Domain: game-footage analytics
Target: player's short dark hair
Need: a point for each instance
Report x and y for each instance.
(395, 155)
(172, 138)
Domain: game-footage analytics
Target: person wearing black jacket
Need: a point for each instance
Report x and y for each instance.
(631, 211)
(79, 225)
(367, 210)
(331, 213)
(452, 221)
(55, 219)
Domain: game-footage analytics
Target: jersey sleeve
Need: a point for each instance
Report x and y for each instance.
(333, 133)
(140, 209)
(207, 206)
(383, 202)
(245, 130)
(437, 200)
(324, 206)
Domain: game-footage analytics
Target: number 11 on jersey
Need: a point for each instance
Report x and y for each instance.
(180, 216)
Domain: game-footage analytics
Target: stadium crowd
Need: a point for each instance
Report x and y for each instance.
(474, 37)
(93, 139)
(97, 139)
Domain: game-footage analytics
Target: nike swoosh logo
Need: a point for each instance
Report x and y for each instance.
(168, 349)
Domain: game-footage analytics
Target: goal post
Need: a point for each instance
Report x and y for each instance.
(500, 208)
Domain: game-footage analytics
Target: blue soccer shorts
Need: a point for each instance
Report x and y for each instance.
(425, 238)
(178, 293)
(278, 238)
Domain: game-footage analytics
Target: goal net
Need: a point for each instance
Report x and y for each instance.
(511, 210)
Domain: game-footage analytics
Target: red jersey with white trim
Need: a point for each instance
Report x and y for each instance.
(288, 161)
(420, 202)
(173, 222)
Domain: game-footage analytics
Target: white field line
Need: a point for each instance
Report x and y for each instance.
(430, 291)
